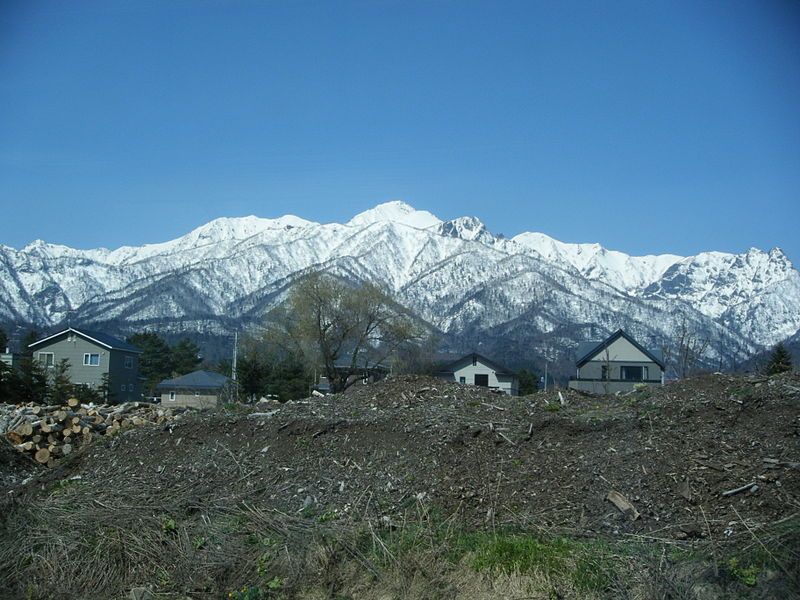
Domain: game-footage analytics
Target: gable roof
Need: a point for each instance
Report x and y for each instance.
(497, 368)
(103, 339)
(588, 350)
(196, 380)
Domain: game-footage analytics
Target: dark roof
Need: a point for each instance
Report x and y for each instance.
(498, 369)
(109, 341)
(196, 380)
(587, 350)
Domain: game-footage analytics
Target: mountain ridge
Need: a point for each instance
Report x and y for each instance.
(529, 290)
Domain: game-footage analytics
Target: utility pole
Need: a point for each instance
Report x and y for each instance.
(545, 373)
(233, 364)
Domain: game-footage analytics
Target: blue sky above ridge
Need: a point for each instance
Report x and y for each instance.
(658, 128)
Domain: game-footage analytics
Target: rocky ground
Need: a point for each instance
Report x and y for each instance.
(706, 469)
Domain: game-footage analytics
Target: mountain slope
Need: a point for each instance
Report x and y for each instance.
(516, 297)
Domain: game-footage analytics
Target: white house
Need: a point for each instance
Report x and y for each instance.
(616, 364)
(474, 369)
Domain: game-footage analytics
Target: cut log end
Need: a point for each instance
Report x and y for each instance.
(42, 455)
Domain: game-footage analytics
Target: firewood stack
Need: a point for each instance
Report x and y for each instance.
(48, 433)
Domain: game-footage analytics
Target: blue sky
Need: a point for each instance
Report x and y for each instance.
(649, 127)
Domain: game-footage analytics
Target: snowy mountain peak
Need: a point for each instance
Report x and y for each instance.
(466, 228)
(241, 228)
(395, 211)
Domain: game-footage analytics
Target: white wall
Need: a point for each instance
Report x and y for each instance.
(468, 372)
(623, 350)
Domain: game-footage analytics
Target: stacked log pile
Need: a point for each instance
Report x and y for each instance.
(49, 433)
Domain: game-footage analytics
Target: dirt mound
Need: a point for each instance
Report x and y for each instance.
(712, 460)
(14, 467)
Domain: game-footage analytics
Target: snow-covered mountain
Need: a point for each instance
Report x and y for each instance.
(515, 296)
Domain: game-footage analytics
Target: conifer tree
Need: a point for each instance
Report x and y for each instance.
(780, 361)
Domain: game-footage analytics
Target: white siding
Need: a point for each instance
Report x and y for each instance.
(622, 350)
(468, 372)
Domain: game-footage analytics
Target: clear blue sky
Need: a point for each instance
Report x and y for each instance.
(646, 126)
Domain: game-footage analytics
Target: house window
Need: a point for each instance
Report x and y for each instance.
(482, 380)
(645, 374)
(47, 359)
(462, 380)
(91, 360)
(128, 362)
(604, 372)
(172, 395)
(631, 373)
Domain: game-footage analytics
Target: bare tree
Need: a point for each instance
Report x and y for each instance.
(690, 348)
(344, 329)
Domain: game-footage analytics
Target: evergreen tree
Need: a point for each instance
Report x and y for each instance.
(528, 382)
(60, 388)
(7, 384)
(31, 382)
(105, 391)
(30, 337)
(155, 362)
(780, 360)
(185, 357)
(252, 375)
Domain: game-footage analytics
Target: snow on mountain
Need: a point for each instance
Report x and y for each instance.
(619, 270)
(466, 228)
(395, 212)
(474, 288)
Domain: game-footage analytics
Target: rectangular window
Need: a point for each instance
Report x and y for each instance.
(91, 360)
(646, 374)
(462, 380)
(47, 359)
(482, 380)
(128, 362)
(604, 372)
(172, 395)
(631, 373)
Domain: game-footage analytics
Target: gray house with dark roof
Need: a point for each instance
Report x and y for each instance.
(616, 364)
(475, 369)
(93, 355)
(198, 389)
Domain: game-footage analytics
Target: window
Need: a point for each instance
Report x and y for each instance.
(462, 380)
(482, 380)
(128, 362)
(172, 395)
(646, 374)
(604, 372)
(47, 359)
(91, 360)
(631, 373)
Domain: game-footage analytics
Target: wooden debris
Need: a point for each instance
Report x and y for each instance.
(50, 432)
(752, 487)
(622, 503)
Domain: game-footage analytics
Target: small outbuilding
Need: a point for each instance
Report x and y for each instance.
(199, 389)
(474, 369)
(616, 364)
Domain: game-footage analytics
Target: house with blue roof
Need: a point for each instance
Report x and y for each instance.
(198, 389)
(616, 364)
(94, 357)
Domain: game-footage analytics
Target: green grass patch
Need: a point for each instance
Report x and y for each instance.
(588, 565)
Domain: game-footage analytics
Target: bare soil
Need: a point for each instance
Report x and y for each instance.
(543, 463)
